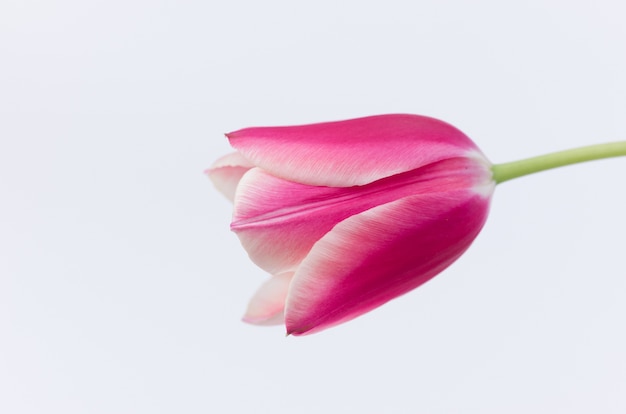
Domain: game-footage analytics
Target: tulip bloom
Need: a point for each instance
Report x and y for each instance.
(348, 215)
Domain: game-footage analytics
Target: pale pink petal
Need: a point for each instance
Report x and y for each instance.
(278, 221)
(382, 253)
(226, 172)
(267, 305)
(352, 152)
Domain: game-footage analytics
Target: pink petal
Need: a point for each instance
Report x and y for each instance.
(382, 253)
(279, 221)
(226, 172)
(352, 152)
(267, 305)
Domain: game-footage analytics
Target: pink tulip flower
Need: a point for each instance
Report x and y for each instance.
(348, 215)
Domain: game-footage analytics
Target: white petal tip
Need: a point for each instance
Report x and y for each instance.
(277, 319)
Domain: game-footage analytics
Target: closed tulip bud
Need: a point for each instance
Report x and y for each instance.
(348, 215)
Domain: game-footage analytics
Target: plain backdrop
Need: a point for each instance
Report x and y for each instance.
(122, 288)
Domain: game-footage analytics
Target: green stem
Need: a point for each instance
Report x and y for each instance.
(510, 170)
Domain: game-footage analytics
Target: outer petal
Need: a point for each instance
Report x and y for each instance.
(380, 254)
(226, 172)
(279, 221)
(352, 152)
(267, 305)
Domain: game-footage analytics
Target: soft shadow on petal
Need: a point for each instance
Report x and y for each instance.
(382, 253)
(226, 172)
(278, 221)
(352, 152)
(267, 305)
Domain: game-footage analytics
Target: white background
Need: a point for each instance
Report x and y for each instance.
(121, 287)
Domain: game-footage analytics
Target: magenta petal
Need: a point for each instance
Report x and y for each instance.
(267, 305)
(375, 256)
(279, 221)
(352, 152)
(226, 172)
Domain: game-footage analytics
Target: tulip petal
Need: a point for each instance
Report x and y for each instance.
(267, 305)
(279, 221)
(353, 152)
(226, 172)
(375, 256)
